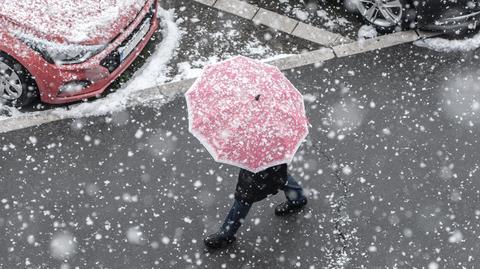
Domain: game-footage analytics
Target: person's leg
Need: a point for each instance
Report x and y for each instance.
(233, 221)
(295, 197)
(235, 218)
(293, 191)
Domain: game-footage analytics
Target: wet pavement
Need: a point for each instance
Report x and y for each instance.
(390, 169)
(210, 35)
(332, 15)
(403, 124)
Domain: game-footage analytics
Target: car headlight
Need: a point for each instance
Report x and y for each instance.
(61, 54)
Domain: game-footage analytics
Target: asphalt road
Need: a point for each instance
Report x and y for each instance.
(326, 14)
(391, 172)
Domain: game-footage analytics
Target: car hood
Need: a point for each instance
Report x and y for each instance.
(85, 22)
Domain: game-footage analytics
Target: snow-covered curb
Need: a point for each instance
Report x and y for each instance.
(446, 45)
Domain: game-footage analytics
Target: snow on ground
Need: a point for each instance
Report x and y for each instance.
(155, 71)
(7, 111)
(300, 14)
(366, 32)
(194, 69)
(446, 45)
(330, 21)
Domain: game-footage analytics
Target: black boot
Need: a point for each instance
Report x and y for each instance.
(218, 240)
(289, 207)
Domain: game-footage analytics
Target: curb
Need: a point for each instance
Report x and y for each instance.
(276, 21)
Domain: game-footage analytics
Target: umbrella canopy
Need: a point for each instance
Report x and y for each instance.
(247, 113)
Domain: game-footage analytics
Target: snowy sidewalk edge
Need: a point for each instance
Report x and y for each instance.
(380, 42)
(312, 57)
(26, 121)
(277, 21)
(169, 90)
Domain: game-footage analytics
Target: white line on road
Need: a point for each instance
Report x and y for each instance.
(239, 8)
(28, 120)
(276, 21)
(375, 43)
(207, 2)
(317, 35)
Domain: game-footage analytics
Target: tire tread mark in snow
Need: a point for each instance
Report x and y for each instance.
(340, 257)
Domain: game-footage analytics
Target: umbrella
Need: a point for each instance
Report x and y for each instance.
(247, 113)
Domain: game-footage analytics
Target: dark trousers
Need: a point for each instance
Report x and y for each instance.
(237, 214)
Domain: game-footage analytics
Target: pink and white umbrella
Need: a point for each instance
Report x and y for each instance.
(247, 113)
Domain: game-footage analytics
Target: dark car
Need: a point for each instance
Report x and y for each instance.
(452, 16)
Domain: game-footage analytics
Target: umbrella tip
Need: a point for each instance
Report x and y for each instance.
(257, 97)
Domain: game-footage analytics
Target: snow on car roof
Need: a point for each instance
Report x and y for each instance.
(72, 21)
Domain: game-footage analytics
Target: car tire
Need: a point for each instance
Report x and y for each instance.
(385, 15)
(17, 86)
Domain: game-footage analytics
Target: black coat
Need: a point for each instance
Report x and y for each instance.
(253, 187)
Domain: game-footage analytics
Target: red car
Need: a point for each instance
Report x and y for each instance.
(67, 50)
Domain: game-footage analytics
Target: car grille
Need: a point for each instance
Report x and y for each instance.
(112, 61)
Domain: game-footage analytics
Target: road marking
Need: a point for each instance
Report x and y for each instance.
(207, 2)
(239, 8)
(275, 21)
(302, 59)
(384, 41)
(278, 22)
(29, 120)
(423, 34)
(317, 35)
(167, 90)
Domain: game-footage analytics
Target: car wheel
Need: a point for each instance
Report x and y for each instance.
(17, 86)
(386, 15)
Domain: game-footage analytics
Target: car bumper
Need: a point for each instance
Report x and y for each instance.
(454, 24)
(93, 77)
(447, 15)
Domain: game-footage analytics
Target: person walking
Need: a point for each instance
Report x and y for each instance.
(254, 187)
(248, 114)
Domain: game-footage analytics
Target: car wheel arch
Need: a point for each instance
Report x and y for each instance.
(21, 61)
(32, 88)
